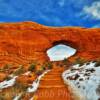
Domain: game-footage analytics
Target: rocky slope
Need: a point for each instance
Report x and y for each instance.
(84, 81)
(26, 41)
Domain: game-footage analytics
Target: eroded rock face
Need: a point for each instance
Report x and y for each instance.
(84, 80)
(27, 41)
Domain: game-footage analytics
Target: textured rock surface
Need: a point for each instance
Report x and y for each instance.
(84, 80)
(27, 41)
(52, 87)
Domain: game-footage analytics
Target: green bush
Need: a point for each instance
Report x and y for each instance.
(32, 67)
(80, 61)
(65, 61)
(49, 65)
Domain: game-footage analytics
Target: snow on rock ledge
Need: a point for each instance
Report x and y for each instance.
(17, 97)
(83, 81)
(8, 83)
(35, 84)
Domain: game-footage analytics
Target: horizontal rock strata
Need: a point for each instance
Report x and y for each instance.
(24, 42)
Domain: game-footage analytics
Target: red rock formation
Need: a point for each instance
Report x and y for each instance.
(26, 41)
(52, 87)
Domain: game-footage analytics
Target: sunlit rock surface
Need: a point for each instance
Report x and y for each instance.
(24, 42)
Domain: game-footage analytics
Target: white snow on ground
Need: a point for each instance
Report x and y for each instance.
(11, 82)
(8, 83)
(84, 81)
(35, 84)
(17, 97)
(27, 73)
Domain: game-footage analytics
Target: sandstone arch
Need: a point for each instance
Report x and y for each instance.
(26, 41)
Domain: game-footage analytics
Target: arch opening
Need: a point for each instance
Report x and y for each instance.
(67, 43)
(60, 52)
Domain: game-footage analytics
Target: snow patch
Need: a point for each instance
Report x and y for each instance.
(35, 84)
(84, 81)
(8, 83)
(17, 97)
(27, 73)
(11, 82)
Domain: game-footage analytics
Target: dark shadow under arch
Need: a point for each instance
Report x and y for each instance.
(65, 42)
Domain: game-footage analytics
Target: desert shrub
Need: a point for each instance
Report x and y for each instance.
(12, 92)
(97, 63)
(8, 78)
(6, 95)
(80, 61)
(87, 63)
(94, 61)
(32, 67)
(21, 86)
(98, 90)
(6, 67)
(2, 97)
(19, 71)
(49, 65)
(38, 72)
(43, 67)
(65, 61)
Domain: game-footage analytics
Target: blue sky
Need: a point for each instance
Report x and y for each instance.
(85, 13)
